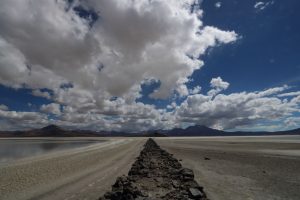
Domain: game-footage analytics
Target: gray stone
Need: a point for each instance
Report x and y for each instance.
(194, 192)
(187, 174)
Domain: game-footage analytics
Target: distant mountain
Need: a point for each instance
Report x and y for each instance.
(48, 131)
(289, 132)
(56, 131)
(198, 130)
(155, 134)
(51, 128)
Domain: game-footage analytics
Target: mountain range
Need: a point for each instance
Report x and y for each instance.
(197, 130)
(49, 131)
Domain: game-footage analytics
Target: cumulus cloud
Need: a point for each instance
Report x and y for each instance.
(236, 109)
(172, 105)
(52, 108)
(43, 51)
(12, 63)
(218, 85)
(3, 107)
(195, 90)
(40, 93)
(13, 120)
(296, 100)
(292, 122)
(84, 63)
(92, 69)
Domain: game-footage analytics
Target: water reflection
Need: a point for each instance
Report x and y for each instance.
(13, 149)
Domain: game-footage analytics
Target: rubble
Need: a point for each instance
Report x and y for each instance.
(156, 174)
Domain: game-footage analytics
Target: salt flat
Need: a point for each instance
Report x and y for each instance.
(228, 168)
(79, 173)
(242, 167)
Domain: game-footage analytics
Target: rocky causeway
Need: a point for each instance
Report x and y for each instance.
(156, 174)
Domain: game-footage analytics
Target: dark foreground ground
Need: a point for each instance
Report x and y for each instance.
(156, 174)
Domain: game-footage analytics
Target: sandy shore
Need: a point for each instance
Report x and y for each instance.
(258, 168)
(81, 173)
(242, 168)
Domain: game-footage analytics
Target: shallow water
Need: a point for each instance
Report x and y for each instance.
(14, 149)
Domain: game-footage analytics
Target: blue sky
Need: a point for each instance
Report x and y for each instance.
(267, 51)
(265, 56)
(239, 49)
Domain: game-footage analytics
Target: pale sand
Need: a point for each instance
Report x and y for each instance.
(242, 168)
(82, 173)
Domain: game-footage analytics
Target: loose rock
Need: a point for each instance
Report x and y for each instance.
(156, 174)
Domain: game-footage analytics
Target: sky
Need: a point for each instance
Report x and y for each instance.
(129, 65)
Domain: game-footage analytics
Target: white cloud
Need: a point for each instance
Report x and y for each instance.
(12, 120)
(296, 100)
(3, 107)
(290, 94)
(258, 4)
(52, 108)
(262, 5)
(40, 93)
(47, 45)
(218, 85)
(293, 122)
(182, 90)
(236, 109)
(128, 41)
(218, 5)
(95, 72)
(13, 65)
(195, 90)
(172, 105)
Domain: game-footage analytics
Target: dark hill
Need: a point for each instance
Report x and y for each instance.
(49, 131)
(51, 128)
(199, 130)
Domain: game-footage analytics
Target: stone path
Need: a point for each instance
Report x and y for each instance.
(156, 174)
